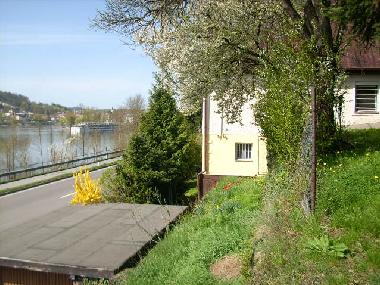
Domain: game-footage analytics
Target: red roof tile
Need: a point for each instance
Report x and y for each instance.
(358, 57)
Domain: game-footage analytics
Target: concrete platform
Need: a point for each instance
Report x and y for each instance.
(90, 241)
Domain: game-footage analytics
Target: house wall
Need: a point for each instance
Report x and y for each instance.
(350, 118)
(221, 141)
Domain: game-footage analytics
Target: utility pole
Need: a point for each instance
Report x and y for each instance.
(313, 176)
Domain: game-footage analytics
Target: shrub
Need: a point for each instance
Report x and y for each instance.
(87, 191)
(160, 157)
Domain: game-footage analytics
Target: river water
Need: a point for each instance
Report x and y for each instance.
(28, 146)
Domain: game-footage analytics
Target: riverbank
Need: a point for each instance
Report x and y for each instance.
(23, 184)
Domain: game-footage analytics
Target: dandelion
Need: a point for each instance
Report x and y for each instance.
(376, 177)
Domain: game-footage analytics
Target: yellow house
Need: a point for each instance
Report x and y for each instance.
(239, 150)
(228, 149)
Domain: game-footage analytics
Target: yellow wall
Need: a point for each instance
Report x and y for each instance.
(222, 155)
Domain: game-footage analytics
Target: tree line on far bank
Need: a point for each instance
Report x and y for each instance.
(23, 103)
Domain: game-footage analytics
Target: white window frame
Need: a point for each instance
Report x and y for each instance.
(243, 151)
(369, 110)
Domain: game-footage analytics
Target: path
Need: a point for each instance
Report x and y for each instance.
(19, 207)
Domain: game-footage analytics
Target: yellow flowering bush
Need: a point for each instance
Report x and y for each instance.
(87, 191)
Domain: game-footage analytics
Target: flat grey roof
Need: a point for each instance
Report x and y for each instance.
(91, 241)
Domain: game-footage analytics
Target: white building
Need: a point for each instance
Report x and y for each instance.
(361, 106)
(239, 149)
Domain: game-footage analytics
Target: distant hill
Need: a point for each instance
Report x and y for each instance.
(23, 103)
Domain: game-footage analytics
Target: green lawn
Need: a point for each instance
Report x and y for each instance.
(264, 223)
(222, 224)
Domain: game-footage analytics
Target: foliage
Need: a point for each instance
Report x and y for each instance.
(363, 17)
(219, 225)
(69, 119)
(192, 193)
(282, 109)
(91, 115)
(87, 191)
(348, 200)
(326, 245)
(23, 102)
(127, 117)
(160, 157)
(111, 183)
(202, 46)
(222, 47)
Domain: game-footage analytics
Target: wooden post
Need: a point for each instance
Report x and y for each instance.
(200, 177)
(313, 176)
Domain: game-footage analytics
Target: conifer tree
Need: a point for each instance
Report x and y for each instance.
(161, 156)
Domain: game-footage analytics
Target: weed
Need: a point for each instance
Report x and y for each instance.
(327, 246)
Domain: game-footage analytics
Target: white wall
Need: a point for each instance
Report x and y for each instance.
(221, 144)
(223, 136)
(350, 118)
(247, 127)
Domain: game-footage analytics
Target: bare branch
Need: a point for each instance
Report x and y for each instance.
(289, 8)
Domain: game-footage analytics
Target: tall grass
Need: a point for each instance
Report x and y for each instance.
(348, 213)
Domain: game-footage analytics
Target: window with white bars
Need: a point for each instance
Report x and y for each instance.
(243, 151)
(366, 98)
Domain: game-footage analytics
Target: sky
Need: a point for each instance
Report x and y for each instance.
(49, 52)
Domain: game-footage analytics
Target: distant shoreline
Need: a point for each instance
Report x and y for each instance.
(32, 124)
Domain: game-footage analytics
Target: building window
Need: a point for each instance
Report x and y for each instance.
(243, 151)
(366, 98)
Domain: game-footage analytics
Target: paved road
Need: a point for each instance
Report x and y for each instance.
(22, 206)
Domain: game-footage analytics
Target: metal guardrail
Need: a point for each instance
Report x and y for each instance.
(43, 169)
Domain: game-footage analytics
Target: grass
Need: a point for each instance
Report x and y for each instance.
(46, 181)
(347, 214)
(221, 224)
(269, 230)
